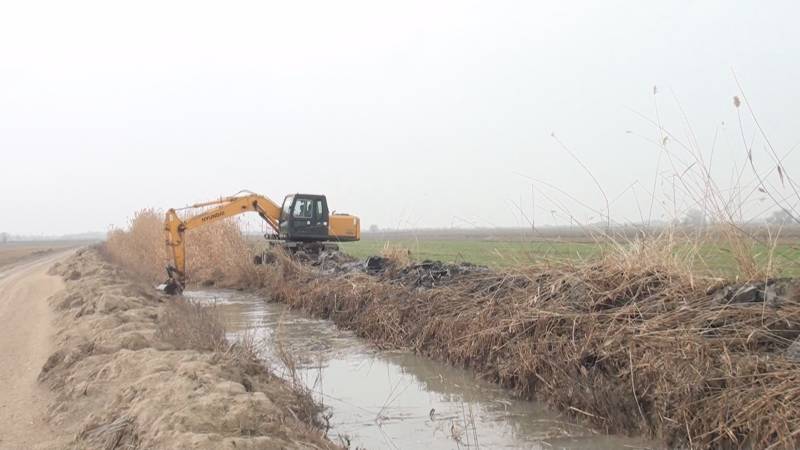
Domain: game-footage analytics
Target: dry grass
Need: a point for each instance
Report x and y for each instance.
(217, 254)
(188, 325)
(396, 254)
(632, 343)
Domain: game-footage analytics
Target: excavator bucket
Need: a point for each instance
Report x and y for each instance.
(172, 286)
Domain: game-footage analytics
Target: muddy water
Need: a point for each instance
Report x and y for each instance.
(397, 400)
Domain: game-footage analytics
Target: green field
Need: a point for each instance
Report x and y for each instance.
(713, 259)
(489, 253)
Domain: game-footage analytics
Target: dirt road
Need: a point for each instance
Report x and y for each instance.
(26, 331)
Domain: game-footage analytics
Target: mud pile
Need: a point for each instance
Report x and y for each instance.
(628, 344)
(121, 382)
(424, 274)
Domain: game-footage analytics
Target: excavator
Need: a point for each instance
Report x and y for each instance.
(302, 223)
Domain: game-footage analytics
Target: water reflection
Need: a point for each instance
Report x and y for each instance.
(396, 399)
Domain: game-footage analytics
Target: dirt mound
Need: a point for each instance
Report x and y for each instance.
(123, 380)
(628, 343)
(425, 274)
(429, 274)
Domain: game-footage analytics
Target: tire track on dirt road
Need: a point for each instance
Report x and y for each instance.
(26, 333)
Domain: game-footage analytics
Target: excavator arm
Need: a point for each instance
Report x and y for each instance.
(223, 208)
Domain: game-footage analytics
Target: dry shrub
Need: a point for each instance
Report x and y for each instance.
(189, 325)
(396, 254)
(216, 254)
(632, 342)
(140, 248)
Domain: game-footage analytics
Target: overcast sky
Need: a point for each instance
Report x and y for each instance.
(408, 114)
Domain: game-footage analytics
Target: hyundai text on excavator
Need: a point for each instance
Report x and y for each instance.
(303, 223)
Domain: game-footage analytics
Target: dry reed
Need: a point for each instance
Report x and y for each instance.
(217, 254)
(632, 342)
(396, 254)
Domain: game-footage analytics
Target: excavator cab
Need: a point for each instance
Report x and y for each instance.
(304, 218)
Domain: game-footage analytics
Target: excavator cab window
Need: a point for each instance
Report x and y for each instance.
(287, 207)
(303, 209)
(305, 218)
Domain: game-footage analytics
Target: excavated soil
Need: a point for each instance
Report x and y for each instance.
(119, 382)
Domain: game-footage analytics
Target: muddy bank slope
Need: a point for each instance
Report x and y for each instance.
(627, 343)
(132, 370)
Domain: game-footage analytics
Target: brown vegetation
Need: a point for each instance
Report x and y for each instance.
(188, 325)
(633, 342)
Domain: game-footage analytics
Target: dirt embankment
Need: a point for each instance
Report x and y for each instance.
(628, 343)
(127, 375)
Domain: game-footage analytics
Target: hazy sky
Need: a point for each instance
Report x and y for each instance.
(409, 114)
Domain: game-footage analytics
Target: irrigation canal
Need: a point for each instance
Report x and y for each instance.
(396, 399)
